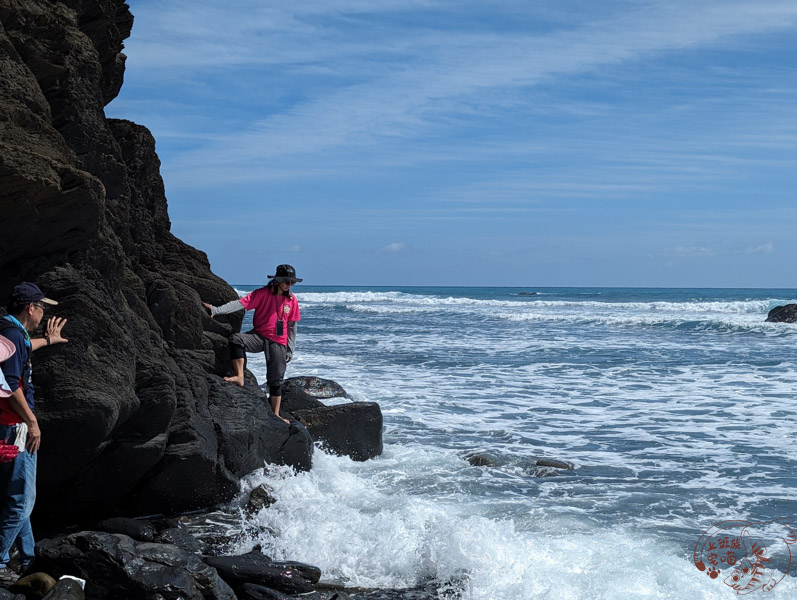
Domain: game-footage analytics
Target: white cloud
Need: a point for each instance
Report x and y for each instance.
(767, 248)
(692, 252)
(394, 247)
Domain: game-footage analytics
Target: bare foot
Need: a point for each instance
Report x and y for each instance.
(239, 381)
(286, 420)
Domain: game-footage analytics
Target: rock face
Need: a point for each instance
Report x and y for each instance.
(134, 415)
(783, 314)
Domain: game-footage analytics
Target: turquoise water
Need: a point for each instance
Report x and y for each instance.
(676, 409)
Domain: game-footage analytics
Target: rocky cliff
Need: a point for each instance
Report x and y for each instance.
(134, 415)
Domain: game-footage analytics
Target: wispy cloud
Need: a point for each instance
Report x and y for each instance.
(394, 247)
(767, 248)
(406, 82)
(691, 252)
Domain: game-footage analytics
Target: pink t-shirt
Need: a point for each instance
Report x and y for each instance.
(268, 310)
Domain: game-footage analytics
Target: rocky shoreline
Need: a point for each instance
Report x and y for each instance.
(124, 557)
(135, 416)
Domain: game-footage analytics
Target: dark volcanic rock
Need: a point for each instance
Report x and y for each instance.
(134, 415)
(554, 464)
(116, 566)
(783, 314)
(66, 589)
(482, 459)
(256, 568)
(252, 591)
(317, 387)
(182, 539)
(295, 398)
(353, 430)
(138, 529)
(259, 498)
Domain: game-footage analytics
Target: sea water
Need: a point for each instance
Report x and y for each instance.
(675, 407)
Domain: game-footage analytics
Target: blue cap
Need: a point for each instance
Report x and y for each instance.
(26, 292)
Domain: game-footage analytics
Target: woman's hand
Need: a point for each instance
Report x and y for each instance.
(209, 307)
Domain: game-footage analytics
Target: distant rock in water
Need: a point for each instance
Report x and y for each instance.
(532, 465)
(318, 387)
(553, 463)
(482, 459)
(783, 314)
(529, 294)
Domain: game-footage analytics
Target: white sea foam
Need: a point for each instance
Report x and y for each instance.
(364, 530)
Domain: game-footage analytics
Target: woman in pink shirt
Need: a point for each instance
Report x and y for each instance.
(274, 333)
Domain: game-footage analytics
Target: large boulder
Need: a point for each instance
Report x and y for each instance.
(353, 430)
(133, 411)
(783, 314)
(116, 566)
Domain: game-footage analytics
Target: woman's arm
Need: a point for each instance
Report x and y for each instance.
(224, 309)
(291, 339)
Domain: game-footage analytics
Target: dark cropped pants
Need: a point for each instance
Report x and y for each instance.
(276, 353)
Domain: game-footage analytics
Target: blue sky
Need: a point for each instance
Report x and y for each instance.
(450, 142)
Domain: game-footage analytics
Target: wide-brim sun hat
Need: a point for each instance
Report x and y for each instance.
(7, 348)
(285, 274)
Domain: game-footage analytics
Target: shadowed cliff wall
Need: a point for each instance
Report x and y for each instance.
(134, 416)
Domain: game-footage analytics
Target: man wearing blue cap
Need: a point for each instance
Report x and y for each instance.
(18, 424)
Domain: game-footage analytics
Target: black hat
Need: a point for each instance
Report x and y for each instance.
(25, 293)
(285, 274)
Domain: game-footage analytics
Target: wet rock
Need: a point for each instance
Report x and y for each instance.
(482, 459)
(294, 398)
(251, 591)
(256, 568)
(259, 498)
(35, 585)
(6, 595)
(783, 314)
(553, 463)
(116, 566)
(353, 430)
(182, 539)
(163, 523)
(318, 387)
(66, 589)
(138, 529)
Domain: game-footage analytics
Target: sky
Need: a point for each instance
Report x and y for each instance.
(454, 142)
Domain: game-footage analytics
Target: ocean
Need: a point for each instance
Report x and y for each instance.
(675, 407)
